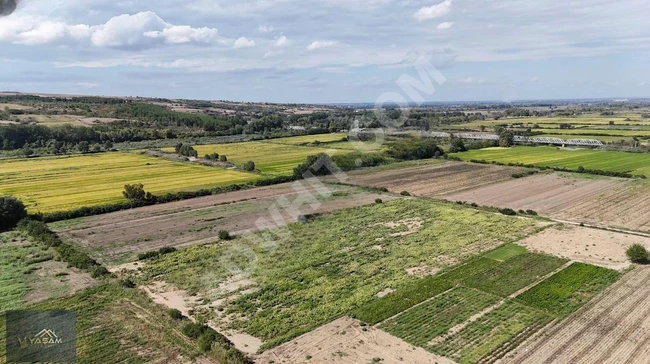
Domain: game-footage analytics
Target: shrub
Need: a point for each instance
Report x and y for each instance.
(457, 146)
(379, 200)
(249, 166)
(531, 212)
(193, 330)
(134, 192)
(224, 235)
(175, 314)
(405, 193)
(166, 250)
(637, 253)
(415, 148)
(207, 338)
(12, 211)
(148, 255)
(508, 211)
(316, 165)
(127, 282)
(223, 158)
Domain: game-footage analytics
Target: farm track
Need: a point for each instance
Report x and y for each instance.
(609, 329)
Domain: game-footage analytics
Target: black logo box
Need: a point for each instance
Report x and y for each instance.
(41, 336)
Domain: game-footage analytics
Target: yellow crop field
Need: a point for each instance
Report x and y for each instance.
(270, 158)
(303, 139)
(64, 183)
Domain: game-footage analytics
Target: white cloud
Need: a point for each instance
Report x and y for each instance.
(141, 30)
(433, 12)
(445, 25)
(534, 79)
(642, 83)
(282, 42)
(318, 44)
(243, 42)
(265, 28)
(87, 84)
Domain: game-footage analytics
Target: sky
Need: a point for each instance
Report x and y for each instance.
(327, 51)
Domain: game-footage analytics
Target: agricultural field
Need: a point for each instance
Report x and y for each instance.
(612, 328)
(309, 139)
(603, 201)
(634, 119)
(327, 268)
(596, 133)
(118, 237)
(490, 305)
(449, 177)
(602, 138)
(612, 161)
(31, 274)
(270, 158)
(116, 325)
(64, 183)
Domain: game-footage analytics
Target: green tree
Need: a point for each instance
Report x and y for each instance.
(134, 192)
(249, 166)
(637, 253)
(457, 146)
(506, 139)
(12, 210)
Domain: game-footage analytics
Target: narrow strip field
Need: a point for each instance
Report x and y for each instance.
(58, 184)
(634, 163)
(613, 329)
(433, 179)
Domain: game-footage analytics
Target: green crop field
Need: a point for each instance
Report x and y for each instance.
(118, 325)
(595, 133)
(270, 158)
(57, 184)
(511, 323)
(582, 120)
(435, 317)
(569, 289)
(514, 274)
(329, 268)
(604, 139)
(634, 163)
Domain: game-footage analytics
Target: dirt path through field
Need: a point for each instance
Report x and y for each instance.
(613, 328)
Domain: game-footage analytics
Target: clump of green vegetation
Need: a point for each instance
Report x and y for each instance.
(435, 317)
(156, 253)
(12, 210)
(224, 235)
(637, 253)
(514, 273)
(404, 298)
(564, 292)
(469, 270)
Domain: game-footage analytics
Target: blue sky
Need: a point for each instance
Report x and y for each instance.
(327, 50)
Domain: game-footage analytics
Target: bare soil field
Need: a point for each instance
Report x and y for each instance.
(613, 328)
(344, 341)
(610, 202)
(118, 235)
(436, 179)
(592, 246)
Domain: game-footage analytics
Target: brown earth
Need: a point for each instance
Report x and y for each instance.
(592, 246)
(434, 180)
(344, 341)
(613, 328)
(112, 237)
(612, 202)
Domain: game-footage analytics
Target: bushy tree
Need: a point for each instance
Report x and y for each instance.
(12, 210)
(415, 148)
(249, 166)
(134, 192)
(457, 146)
(318, 165)
(506, 139)
(637, 253)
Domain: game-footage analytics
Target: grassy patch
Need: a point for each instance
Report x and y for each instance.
(505, 252)
(404, 298)
(510, 323)
(469, 270)
(515, 273)
(569, 289)
(118, 325)
(435, 317)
